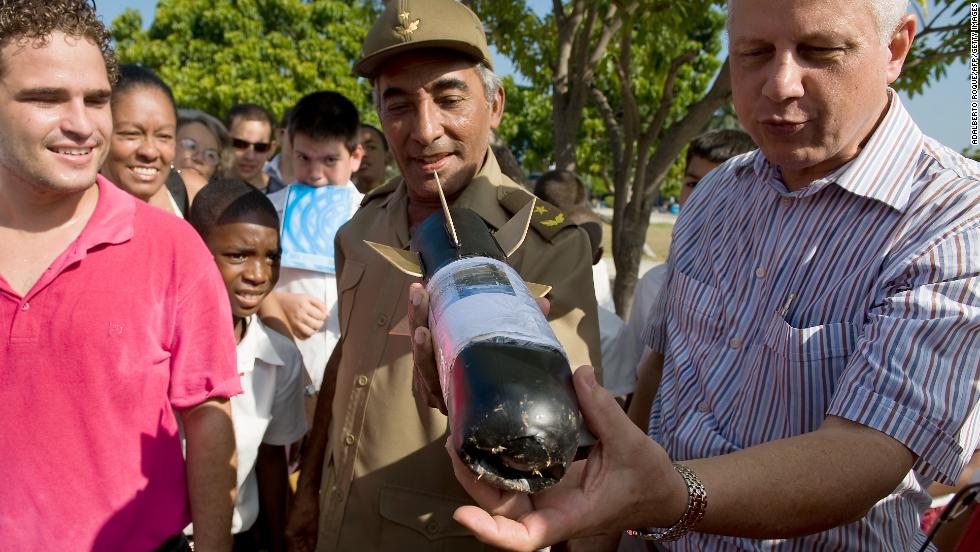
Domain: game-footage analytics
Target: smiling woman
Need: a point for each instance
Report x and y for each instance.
(144, 137)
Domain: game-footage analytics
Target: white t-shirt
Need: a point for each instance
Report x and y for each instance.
(627, 347)
(321, 285)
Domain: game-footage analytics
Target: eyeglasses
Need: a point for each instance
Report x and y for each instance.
(260, 147)
(210, 156)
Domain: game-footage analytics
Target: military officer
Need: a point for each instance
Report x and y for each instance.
(377, 455)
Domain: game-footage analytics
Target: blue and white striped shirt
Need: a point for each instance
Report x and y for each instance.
(856, 296)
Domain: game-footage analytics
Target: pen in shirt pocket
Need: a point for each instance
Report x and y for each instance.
(784, 310)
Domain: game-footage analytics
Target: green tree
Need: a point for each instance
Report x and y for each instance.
(271, 52)
(627, 83)
(943, 38)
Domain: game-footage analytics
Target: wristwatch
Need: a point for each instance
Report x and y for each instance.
(697, 503)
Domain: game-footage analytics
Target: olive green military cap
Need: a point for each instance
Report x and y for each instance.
(412, 24)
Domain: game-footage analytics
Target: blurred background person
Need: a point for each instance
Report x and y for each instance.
(203, 144)
(374, 163)
(280, 168)
(144, 136)
(250, 126)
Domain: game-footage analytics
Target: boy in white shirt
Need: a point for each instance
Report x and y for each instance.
(241, 229)
(323, 133)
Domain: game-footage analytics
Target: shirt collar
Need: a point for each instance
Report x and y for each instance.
(256, 344)
(884, 169)
(481, 195)
(112, 221)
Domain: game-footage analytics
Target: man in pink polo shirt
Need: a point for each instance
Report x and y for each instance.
(114, 322)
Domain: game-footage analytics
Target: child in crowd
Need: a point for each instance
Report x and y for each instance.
(323, 136)
(240, 227)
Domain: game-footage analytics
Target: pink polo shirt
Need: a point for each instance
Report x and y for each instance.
(128, 324)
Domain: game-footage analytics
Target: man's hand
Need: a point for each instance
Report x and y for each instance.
(302, 523)
(425, 382)
(626, 474)
(305, 313)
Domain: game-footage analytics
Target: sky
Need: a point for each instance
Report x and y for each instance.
(942, 111)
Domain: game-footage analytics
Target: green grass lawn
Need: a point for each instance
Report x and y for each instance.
(658, 240)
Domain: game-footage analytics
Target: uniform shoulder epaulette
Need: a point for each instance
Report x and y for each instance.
(381, 191)
(546, 219)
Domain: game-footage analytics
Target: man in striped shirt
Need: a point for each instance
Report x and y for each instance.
(820, 337)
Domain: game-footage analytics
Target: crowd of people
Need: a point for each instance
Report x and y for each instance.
(200, 351)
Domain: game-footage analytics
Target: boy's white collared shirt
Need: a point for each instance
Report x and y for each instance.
(269, 410)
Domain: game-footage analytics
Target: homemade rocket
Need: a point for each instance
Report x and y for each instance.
(513, 416)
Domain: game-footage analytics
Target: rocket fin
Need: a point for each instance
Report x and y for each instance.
(538, 290)
(511, 235)
(401, 328)
(406, 261)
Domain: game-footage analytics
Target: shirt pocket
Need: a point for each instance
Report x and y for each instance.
(821, 343)
(415, 520)
(694, 306)
(347, 289)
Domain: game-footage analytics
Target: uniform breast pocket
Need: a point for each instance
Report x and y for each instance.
(415, 520)
(347, 289)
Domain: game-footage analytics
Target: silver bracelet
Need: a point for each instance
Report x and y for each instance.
(697, 503)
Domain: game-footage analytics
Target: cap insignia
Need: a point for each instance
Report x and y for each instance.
(406, 27)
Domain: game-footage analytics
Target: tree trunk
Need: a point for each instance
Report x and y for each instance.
(629, 234)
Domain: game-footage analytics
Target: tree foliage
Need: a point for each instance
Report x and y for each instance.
(271, 52)
(944, 38)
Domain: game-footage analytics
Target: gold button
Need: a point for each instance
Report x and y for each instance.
(734, 343)
(362, 380)
(703, 407)
(432, 527)
(350, 439)
(760, 272)
(382, 320)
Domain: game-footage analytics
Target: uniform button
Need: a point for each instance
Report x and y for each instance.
(25, 306)
(734, 343)
(382, 320)
(432, 527)
(703, 407)
(350, 439)
(337, 497)
(787, 202)
(362, 381)
(761, 272)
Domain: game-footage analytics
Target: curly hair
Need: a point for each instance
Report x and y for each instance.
(33, 21)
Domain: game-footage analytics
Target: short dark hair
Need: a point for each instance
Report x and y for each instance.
(563, 189)
(133, 76)
(326, 115)
(224, 201)
(376, 130)
(720, 145)
(33, 21)
(250, 112)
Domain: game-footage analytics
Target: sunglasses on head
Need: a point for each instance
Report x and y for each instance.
(260, 147)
